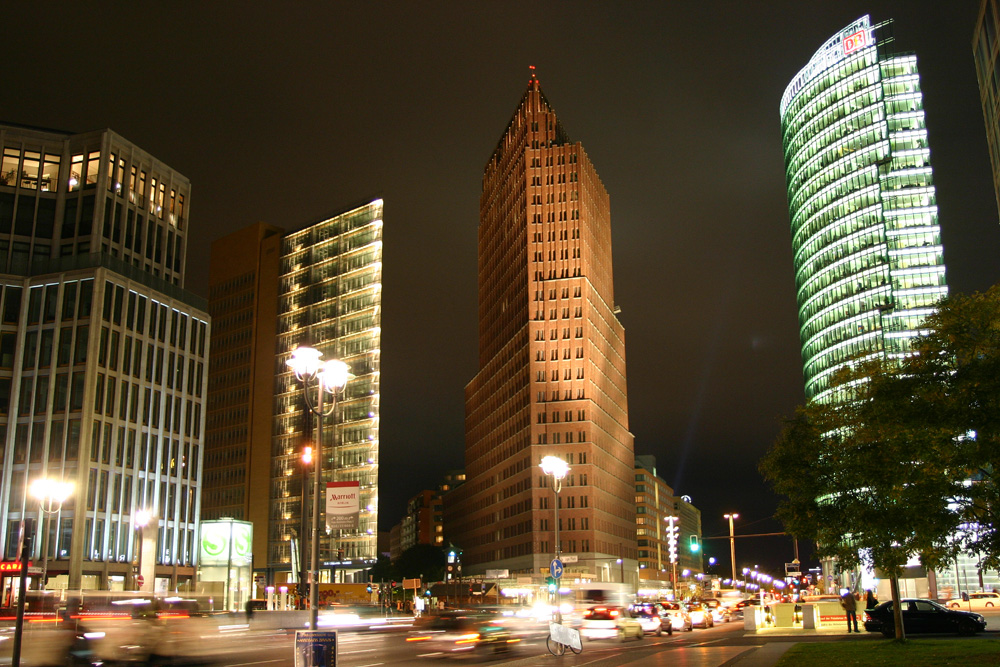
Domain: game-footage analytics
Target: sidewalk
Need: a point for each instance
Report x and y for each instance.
(765, 655)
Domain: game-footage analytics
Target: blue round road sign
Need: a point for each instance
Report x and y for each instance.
(556, 568)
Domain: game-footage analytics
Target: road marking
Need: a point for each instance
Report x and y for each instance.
(259, 662)
(372, 664)
(366, 650)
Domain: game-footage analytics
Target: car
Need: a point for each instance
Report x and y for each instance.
(649, 618)
(608, 622)
(976, 602)
(461, 633)
(701, 616)
(923, 616)
(679, 618)
(720, 612)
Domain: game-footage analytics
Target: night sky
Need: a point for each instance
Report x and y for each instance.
(293, 113)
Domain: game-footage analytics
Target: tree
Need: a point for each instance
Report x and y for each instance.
(383, 570)
(958, 365)
(861, 478)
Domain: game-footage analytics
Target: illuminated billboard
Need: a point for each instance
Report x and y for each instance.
(225, 542)
(343, 505)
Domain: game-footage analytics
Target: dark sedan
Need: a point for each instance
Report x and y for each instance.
(923, 616)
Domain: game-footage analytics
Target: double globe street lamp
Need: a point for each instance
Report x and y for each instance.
(318, 378)
(50, 494)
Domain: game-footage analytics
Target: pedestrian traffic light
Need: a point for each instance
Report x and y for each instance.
(551, 583)
(694, 545)
(393, 585)
(369, 588)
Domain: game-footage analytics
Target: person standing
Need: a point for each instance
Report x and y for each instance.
(850, 605)
(870, 600)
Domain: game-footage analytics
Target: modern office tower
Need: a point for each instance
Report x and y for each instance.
(869, 264)
(985, 50)
(243, 303)
(329, 298)
(102, 357)
(552, 364)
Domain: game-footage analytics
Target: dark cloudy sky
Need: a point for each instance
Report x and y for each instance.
(287, 112)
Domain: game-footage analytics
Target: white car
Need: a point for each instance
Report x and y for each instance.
(977, 602)
(605, 622)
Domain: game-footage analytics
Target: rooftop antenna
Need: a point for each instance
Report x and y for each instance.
(531, 68)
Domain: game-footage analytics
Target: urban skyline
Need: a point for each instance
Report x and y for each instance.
(687, 137)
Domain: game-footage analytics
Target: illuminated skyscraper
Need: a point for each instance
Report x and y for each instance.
(868, 260)
(330, 298)
(551, 360)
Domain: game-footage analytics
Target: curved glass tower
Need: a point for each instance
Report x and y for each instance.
(869, 264)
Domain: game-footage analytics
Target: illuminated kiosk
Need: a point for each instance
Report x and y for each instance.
(225, 563)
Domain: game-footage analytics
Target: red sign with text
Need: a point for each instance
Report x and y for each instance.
(11, 566)
(854, 42)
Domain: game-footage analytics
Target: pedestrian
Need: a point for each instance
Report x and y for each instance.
(850, 605)
(870, 599)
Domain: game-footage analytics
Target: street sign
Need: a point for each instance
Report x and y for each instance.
(497, 574)
(556, 568)
(316, 648)
(411, 583)
(570, 558)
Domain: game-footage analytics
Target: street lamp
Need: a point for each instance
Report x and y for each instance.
(558, 468)
(141, 520)
(50, 494)
(329, 376)
(732, 540)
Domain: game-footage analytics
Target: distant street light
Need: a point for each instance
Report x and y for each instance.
(732, 540)
(50, 494)
(330, 377)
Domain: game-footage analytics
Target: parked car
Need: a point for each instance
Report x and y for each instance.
(976, 602)
(923, 616)
(649, 618)
(701, 616)
(607, 622)
(678, 616)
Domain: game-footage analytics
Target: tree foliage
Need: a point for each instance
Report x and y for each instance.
(907, 465)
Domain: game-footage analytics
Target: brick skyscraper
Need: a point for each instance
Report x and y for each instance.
(552, 364)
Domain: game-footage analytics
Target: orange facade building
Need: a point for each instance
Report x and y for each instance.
(552, 364)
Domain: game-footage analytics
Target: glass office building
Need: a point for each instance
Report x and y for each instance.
(102, 358)
(330, 298)
(869, 265)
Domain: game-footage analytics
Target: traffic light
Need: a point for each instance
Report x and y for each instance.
(694, 545)
(551, 583)
(392, 584)
(369, 588)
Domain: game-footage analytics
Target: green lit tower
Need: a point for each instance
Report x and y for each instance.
(869, 265)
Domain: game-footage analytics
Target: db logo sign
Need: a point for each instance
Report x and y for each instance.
(858, 40)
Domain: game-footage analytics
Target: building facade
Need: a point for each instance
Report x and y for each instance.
(423, 523)
(985, 50)
(551, 360)
(868, 259)
(103, 357)
(655, 503)
(330, 298)
(243, 303)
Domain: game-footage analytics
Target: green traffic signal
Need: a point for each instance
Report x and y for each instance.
(695, 546)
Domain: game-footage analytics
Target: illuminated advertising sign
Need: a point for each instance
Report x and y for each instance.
(851, 39)
(343, 505)
(226, 542)
(11, 566)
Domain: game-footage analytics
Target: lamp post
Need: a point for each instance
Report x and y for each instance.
(732, 541)
(558, 468)
(141, 519)
(672, 530)
(50, 494)
(329, 376)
